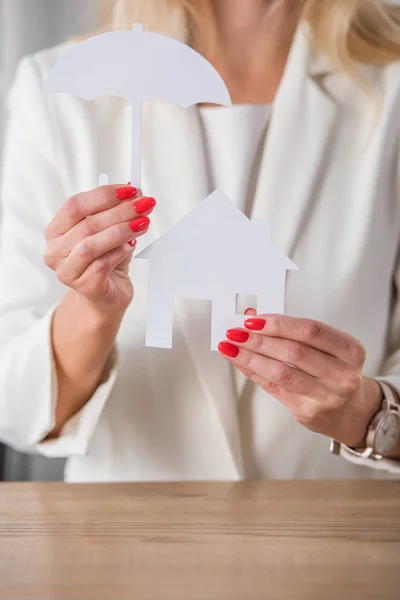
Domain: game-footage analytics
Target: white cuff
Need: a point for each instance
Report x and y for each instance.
(75, 436)
(29, 394)
(26, 401)
(384, 464)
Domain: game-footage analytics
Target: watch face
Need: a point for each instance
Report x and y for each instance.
(387, 434)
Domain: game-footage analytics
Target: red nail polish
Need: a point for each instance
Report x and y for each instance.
(255, 324)
(144, 205)
(237, 335)
(139, 224)
(132, 243)
(228, 349)
(126, 193)
(248, 310)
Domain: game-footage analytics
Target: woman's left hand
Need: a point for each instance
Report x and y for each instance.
(313, 369)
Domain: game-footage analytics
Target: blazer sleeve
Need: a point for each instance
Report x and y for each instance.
(34, 186)
(389, 373)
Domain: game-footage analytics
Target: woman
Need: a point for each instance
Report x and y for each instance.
(313, 143)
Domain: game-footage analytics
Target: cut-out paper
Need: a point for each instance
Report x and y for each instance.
(104, 179)
(236, 256)
(137, 66)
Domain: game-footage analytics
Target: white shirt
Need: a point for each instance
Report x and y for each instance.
(234, 139)
(175, 414)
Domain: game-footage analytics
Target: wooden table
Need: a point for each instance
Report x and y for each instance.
(242, 541)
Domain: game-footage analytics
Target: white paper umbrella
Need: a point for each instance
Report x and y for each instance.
(137, 66)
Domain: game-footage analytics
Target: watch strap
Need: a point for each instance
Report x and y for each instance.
(390, 402)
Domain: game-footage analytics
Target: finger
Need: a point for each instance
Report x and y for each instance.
(303, 357)
(92, 248)
(99, 270)
(285, 376)
(289, 399)
(251, 312)
(122, 213)
(312, 333)
(306, 411)
(245, 372)
(80, 206)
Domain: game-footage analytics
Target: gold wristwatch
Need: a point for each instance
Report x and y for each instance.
(383, 433)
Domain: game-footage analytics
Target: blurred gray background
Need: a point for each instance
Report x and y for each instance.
(25, 27)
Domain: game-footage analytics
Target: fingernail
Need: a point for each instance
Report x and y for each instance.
(144, 205)
(126, 193)
(249, 310)
(228, 349)
(139, 224)
(132, 243)
(255, 324)
(237, 335)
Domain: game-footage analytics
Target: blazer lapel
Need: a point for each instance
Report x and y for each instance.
(298, 138)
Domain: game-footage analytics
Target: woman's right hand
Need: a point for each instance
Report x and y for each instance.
(91, 240)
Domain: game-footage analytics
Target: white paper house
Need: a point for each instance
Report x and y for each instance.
(214, 253)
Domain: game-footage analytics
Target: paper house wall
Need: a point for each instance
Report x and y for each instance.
(214, 253)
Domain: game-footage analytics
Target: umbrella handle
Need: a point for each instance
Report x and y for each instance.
(136, 149)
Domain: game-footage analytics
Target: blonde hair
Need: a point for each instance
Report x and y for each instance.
(346, 32)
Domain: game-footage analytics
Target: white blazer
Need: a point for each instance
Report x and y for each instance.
(330, 183)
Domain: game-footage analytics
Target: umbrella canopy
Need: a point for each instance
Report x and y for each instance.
(137, 66)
